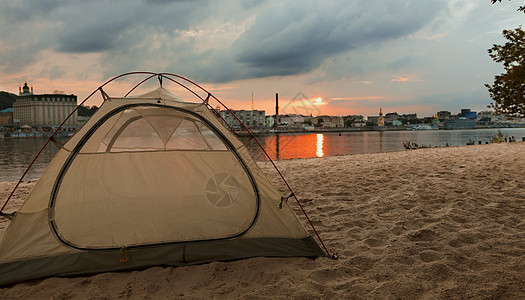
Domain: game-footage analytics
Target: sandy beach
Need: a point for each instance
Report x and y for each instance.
(436, 223)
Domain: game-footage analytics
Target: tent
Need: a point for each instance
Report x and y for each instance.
(149, 180)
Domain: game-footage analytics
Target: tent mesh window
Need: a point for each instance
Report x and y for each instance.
(152, 129)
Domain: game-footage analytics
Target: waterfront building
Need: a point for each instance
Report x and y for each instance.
(252, 119)
(396, 123)
(468, 114)
(270, 121)
(354, 121)
(390, 118)
(293, 120)
(461, 123)
(485, 116)
(443, 115)
(372, 119)
(328, 121)
(6, 116)
(44, 110)
(490, 116)
(408, 117)
(381, 120)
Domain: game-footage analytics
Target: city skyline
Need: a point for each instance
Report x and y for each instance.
(406, 57)
(290, 110)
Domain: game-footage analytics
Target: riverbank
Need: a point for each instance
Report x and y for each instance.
(285, 130)
(434, 223)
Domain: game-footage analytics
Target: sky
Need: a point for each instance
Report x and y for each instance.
(321, 57)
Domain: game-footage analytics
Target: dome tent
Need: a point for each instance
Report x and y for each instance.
(149, 180)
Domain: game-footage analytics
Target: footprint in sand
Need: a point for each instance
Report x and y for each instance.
(424, 235)
(429, 256)
(375, 245)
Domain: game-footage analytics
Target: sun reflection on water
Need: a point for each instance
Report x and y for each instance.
(319, 145)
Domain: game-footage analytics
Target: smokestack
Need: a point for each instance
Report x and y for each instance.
(276, 110)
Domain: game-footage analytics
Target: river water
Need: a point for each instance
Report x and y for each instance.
(17, 154)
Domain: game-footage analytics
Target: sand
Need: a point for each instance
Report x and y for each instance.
(436, 223)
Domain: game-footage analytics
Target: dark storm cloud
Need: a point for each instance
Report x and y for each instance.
(296, 37)
(94, 38)
(281, 38)
(118, 25)
(27, 10)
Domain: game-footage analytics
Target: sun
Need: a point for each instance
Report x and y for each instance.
(318, 100)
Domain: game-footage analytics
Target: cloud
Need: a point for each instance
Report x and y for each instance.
(120, 25)
(295, 37)
(26, 10)
(407, 78)
(207, 40)
(351, 99)
(79, 27)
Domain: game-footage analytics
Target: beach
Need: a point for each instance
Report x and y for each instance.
(433, 223)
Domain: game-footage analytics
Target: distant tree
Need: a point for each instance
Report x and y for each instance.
(6, 100)
(87, 110)
(508, 90)
(521, 8)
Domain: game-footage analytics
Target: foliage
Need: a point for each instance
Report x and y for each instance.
(87, 110)
(508, 90)
(521, 8)
(411, 145)
(498, 138)
(6, 100)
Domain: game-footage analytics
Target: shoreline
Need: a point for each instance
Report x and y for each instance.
(255, 132)
(431, 223)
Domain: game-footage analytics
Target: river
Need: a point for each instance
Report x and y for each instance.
(17, 154)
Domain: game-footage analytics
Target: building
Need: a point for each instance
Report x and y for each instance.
(372, 120)
(252, 119)
(468, 114)
(381, 120)
(328, 121)
(462, 123)
(443, 115)
(6, 116)
(270, 121)
(390, 118)
(45, 110)
(490, 116)
(293, 120)
(354, 121)
(485, 116)
(409, 117)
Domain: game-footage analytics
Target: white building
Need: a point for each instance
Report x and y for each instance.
(294, 121)
(270, 121)
(328, 121)
(44, 110)
(252, 119)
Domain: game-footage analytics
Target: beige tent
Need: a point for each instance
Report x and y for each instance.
(149, 180)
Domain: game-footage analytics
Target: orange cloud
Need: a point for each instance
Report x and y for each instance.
(406, 78)
(358, 98)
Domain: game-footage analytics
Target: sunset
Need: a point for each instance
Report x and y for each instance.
(413, 57)
(262, 149)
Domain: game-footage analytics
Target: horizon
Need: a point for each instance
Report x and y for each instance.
(312, 102)
(404, 57)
